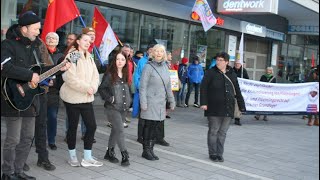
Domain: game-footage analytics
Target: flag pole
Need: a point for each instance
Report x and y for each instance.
(94, 47)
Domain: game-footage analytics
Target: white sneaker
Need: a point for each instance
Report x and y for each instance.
(125, 125)
(130, 109)
(91, 162)
(128, 120)
(73, 161)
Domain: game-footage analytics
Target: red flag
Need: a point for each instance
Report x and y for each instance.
(59, 12)
(27, 7)
(312, 60)
(99, 24)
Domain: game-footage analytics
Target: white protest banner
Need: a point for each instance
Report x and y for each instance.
(174, 78)
(285, 98)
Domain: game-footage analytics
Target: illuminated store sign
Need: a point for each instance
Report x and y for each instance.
(245, 6)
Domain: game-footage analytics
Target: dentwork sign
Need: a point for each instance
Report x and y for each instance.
(248, 6)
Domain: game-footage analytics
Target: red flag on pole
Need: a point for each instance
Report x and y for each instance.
(312, 60)
(99, 24)
(59, 12)
(106, 39)
(27, 7)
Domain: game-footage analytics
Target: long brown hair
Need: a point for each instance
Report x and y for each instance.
(113, 70)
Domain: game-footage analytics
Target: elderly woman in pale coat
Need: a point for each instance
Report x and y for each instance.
(155, 89)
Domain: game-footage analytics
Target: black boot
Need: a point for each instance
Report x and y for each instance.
(125, 158)
(237, 122)
(152, 153)
(111, 155)
(24, 176)
(147, 151)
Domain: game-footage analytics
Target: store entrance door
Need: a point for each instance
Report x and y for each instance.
(255, 64)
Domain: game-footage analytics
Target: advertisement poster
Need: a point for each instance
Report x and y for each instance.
(202, 54)
(272, 97)
(174, 80)
(232, 47)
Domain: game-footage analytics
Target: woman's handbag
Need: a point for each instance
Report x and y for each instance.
(237, 112)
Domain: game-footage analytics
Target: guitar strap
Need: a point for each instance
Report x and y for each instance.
(36, 57)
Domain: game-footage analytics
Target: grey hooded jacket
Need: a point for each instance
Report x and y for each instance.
(154, 92)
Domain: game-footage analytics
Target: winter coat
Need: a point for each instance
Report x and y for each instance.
(138, 72)
(239, 71)
(53, 94)
(80, 77)
(265, 79)
(183, 73)
(195, 73)
(155, 91)
(217, 93)
(116, 96)
(20, 49)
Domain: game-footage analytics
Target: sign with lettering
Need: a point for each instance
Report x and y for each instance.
(248, 6)
(272, 97)
(275, 35)
(303, 29)
(254, 29)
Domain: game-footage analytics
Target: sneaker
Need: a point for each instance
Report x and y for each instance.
(91, 162)
(73, 161)
(109, 124)
(128, 120)
(125, 125)
(196, 105)
(185, 105)
(168, 117)
(53, 146)
(22, 176)
(46, 164)
(220, 159)
(214, 158)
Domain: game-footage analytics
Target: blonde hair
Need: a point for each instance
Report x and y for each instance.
(270, 68)
(156, 47)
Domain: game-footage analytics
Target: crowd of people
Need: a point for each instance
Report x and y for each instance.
(132, 81)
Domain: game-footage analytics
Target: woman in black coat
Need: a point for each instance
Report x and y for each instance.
(219, 90)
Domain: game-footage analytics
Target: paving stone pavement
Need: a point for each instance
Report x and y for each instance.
(283, 148)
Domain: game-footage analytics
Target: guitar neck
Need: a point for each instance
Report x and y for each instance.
(50, 72)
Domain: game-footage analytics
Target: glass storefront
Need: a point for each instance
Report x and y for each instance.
(183, 39)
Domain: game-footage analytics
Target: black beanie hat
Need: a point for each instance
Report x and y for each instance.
(28, 18)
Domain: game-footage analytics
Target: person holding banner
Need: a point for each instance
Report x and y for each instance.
(268, 77)
(241, 73)
(155, 90)
(219, 106)
(313, 77)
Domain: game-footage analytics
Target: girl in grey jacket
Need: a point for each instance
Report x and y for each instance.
(155, 88)
(115, 91)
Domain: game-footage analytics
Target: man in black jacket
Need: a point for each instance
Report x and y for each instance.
(219, 90)
(22, 46)
(240, 74)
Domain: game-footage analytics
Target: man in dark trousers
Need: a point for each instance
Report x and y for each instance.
(20, 47)
(240, 74)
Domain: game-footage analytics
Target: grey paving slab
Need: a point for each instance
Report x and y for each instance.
(277, 149)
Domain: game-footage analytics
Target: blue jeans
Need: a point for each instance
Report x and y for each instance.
(83, 127)
(181, 95)
(192, 86)
(52, 113)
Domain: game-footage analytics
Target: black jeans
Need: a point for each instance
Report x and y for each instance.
(40, 133)
(196, 86)
(87, 114)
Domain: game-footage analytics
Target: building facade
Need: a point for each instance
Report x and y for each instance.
(269, 39)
